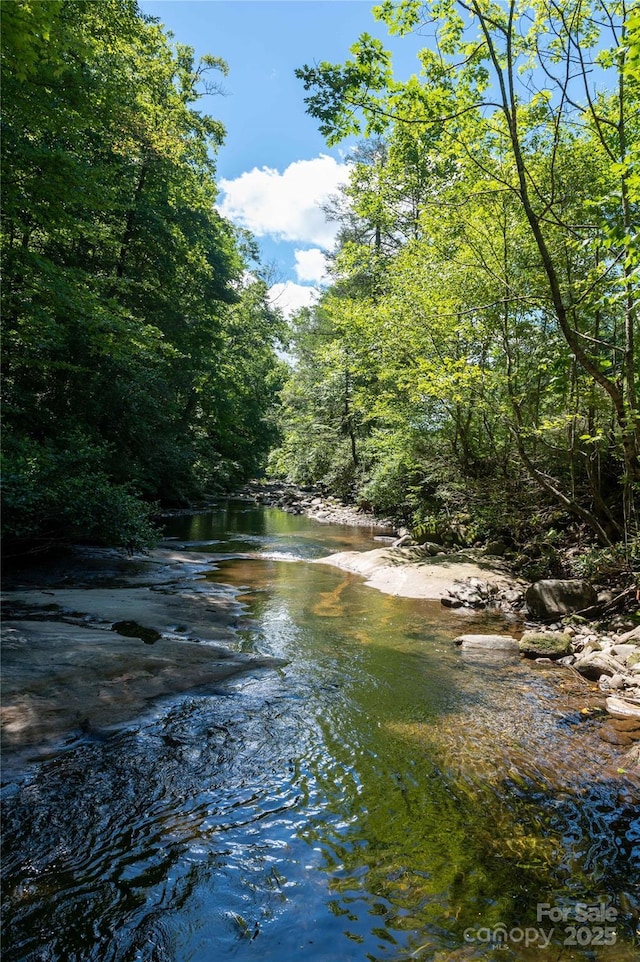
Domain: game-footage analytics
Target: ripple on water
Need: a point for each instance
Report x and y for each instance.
(375, 799)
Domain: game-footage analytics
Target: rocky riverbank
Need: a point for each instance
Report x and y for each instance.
(566, 624)
(312, 503)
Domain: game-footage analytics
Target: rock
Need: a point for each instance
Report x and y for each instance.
(538, 644)
(449, 602)
(403, 541)
(620, 708)
(512, 596)
(495, 548)
(469, 596)
(487, 642)
(596, 663)
(633, 635)
(617, 681)
(626, 653)
(615, 738)
(631, 759)
(554, 598)
(591, 644)
(432, 548)
(606, 597)
(626, 724)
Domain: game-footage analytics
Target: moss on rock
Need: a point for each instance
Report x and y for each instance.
(547, 644)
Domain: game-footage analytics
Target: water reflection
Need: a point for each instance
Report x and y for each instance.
(376, 798)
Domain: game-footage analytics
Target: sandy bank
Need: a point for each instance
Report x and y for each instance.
(405, 572)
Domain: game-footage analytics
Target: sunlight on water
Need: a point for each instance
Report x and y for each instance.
(378, 797)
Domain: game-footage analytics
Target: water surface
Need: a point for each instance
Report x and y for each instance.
(379, 796)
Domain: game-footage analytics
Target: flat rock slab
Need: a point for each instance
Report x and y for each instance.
(487, 643)
(59, 678)
(405, 573)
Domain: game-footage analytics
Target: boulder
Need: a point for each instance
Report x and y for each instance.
(629, 725)
(487, 643)
(549, 644)
(449, 602)
(553, 598)
(512, 596)
(613, 737)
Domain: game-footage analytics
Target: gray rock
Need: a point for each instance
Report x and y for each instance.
(554, 598)
(617, 681)
(606, 597)
(624, 652)
(512, 596)
(432, 548)
(596, 663)
(633, 635)
(487, 642)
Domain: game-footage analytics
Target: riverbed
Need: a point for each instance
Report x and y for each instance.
(290, 765)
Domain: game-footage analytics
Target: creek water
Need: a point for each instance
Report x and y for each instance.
(376, 794)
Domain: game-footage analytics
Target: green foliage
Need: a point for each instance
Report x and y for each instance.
(54, 492)
(485, 300)
(127, 321)
(604, 564)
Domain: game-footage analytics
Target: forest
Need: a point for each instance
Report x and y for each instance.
(139, 358)
(471, 369)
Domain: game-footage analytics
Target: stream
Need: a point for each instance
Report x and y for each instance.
(341, 784)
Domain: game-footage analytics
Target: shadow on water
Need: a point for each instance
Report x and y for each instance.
(378, 797)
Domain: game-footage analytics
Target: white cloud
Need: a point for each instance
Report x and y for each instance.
(311, 266)
(286, 205)
(290, 297)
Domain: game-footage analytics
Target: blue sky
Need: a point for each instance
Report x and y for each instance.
(275, 168)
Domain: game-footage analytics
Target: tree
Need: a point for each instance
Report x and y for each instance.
(510, 92)
(123, 286)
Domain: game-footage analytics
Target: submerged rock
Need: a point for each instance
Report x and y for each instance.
(487, 643)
